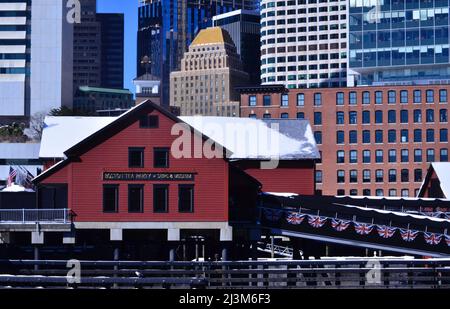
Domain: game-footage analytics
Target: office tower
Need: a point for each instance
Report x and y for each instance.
(373, 140)
(394, 42)
(112, 49)
(244, 28)
(98, 48)
(210, 72)
(35, 58)
(167, 27)
(304, 43)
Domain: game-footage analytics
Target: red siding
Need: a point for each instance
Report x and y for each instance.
(86, 184)
(290, 176)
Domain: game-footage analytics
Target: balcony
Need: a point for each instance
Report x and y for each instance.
(29, 219)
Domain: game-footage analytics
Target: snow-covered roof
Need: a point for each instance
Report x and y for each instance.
(249, 138)
(16, 188)
(19, 151)
(61, 133)
(246, 138)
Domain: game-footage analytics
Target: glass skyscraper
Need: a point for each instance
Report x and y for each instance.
(167, 28)
(398, 41)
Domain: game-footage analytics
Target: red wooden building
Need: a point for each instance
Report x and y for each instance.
(437, 181)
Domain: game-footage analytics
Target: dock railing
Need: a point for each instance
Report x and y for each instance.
(24, 216)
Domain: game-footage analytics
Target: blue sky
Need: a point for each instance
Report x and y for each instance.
(130, 9)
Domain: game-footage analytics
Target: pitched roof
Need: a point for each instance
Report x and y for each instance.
(442, 170)
(213, 35)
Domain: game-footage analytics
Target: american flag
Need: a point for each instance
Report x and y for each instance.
(432, 238)
(447, 240)
(386, 231)
(363, 228)
(408, 235)
(340, 225)
(316, 221)
(273, 214)
(11, 177)
(295, 218)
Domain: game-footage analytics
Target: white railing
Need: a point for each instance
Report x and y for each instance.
(22, 216)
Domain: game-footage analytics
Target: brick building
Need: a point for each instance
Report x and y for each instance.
(374, 140)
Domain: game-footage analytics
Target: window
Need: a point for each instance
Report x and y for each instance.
(417, 155)
(284, 115)
(443, 135)
(352, 99)
(340, 137)
(443, 96)
(430, 136)
(366, 97)
(318, 176)
(340, 176)
(284, 100)
(340, 192)
(340, 98)
(404, 96)
(186, 198)
(403, 116)
(353, 192)
(404, 136)
(379, 136)
(252, 100)
(135, 157)
(317, 118)
(379, 176)
(392, 116)
(353, 156)
(418, 176)
(443, 116)
(317, 99)
(417, 136)
(404, 155)
(318, 137)
(160, 198)
(392, 136)
(366, 137)
(267, 100)
(135, 198)
(353, 137)
(405, 193)
(367, 192)
(379, 192)
(430, 96)
(392, 177)
(392, 155)
(340, 156)
(430, 115)
(353, 117)
(110, 198)
(366, 156)
(444, 155)
(267, 116)
(366, 176)
(161, 157)
(392, 192)
(379, 156)
(340, 118)
(149, 121)
(430, 155)
(301, 99)
(392, 97)
(300, 115)
(378, 97)
(404, 175)
(353, 176)
(417, 96)
(366, 117)
(417, 116)
(378, 116)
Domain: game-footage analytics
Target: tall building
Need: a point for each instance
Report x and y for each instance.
(98, 48)
(35, 58)
(399, 42)
(210, 72)
(167, 28)
(376, 140)
(112, 49)
(244, 28)
(304, 43)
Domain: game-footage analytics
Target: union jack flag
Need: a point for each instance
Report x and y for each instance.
(295, 218)
(363, 228)
(432, 238)
(386, 231)
(408, 235)
(340, 225)
(447, 240)
(273, 214)
(316, 221)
